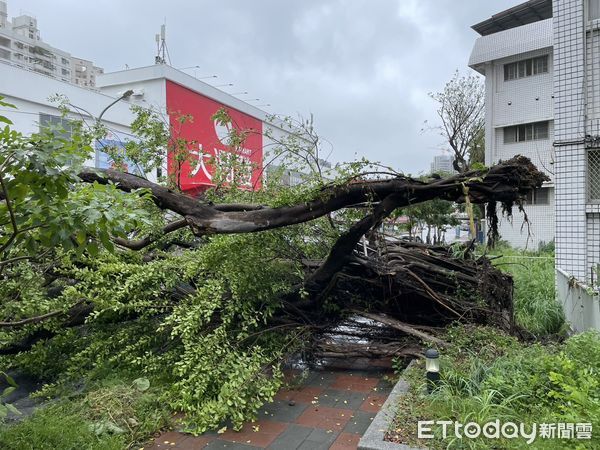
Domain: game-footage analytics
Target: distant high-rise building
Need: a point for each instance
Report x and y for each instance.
(443, 164)
(22, 46)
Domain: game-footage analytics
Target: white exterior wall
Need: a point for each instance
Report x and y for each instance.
(148, 84)
(30, 92)
(443, 163)
(540, 230)
(570, 166)
(519, 101)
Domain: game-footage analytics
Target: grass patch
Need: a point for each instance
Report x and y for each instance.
(57, 427)
(487, 375)
(536, 307)
(111, 414)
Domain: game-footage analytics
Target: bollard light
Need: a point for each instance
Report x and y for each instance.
(432, 366)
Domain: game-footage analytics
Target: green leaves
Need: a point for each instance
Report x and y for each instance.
(141, 384)
(6, 408)
(47, 204)
(106, 426)
(5, 105)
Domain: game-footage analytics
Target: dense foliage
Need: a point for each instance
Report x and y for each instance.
(189, 314)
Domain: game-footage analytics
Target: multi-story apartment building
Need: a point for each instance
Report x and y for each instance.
(515, 53)
(21, 45)
(442, 164)
(541, 62)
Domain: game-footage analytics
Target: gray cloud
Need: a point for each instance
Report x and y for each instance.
(363, 68)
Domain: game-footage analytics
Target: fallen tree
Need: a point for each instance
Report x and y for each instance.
(255, 284)
(427, 271)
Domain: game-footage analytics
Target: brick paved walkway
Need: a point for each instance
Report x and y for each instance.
(329, 410)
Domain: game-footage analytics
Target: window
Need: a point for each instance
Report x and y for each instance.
(526, 132)
(61, 126)
(4, 54)
(4, 42)
(593, 9)
(594, 175)
(65, 72)
(538, 197)
(526, 68)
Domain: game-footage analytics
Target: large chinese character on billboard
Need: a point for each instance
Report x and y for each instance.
(208, 141)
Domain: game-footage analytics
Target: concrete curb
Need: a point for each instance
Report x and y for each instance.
(373, 437)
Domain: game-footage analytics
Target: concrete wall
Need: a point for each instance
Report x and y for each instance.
(580, 304)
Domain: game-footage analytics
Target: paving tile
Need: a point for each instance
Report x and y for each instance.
(306, 394)
(373, 402)
(259, 434)
(167, 440)
(321, 378)
(281, 411)
(346, 441)
(291, 438)
(218, 444)
(358, 383)
(346, 402)
(359, 422)
(319, 439)
(193, 443)
(309, 445)
(384, 385)
(325, 417)
(341, 399)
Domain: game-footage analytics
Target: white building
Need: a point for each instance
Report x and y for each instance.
(160, 88)
(541, 61)
(515, 54)
(21, 44)
(442, 164)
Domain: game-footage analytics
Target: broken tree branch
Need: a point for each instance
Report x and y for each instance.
(405, 328)
(511, 181)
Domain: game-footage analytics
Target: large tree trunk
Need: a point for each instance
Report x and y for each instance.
(506, 183)
(415, 284)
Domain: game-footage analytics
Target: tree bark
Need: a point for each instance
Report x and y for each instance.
(506, 182)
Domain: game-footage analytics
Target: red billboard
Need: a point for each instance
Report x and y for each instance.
(208, 142)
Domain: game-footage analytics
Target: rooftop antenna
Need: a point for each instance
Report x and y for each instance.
(162, 52)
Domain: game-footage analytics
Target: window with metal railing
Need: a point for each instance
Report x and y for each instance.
(593, 178)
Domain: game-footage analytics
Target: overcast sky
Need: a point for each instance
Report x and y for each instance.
(362, 68)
